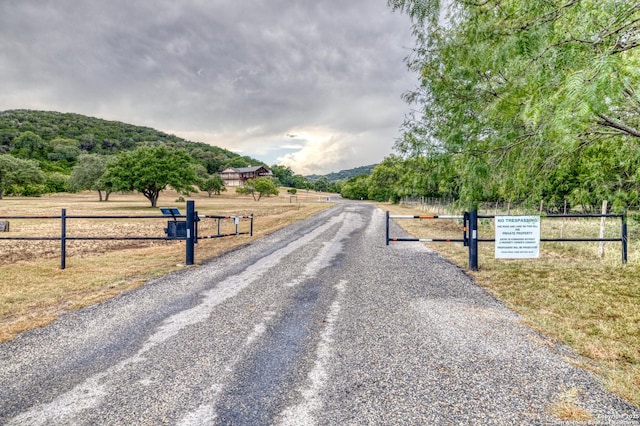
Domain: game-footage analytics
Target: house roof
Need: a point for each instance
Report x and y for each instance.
(249, 169)
(261, 170)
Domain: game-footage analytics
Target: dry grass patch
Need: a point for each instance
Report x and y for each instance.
(33, 288)
(569, 294)
(567, 408)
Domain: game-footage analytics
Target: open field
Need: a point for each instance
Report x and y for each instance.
(570, 294)
(33, 288)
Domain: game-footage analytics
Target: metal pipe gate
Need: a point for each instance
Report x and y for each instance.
(470, 236)
(190, 238)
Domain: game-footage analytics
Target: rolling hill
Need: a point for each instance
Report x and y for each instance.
(55, 139)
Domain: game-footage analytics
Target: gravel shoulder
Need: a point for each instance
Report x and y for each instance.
(319, 323)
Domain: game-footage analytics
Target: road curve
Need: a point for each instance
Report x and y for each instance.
(318, 323)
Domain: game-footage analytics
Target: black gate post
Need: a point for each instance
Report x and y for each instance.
(190, 232)
(387, 235)
(473, 240)
(624, 238)
(63, 239)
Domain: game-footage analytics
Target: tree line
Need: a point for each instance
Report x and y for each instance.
(46, 152)
(519, 102)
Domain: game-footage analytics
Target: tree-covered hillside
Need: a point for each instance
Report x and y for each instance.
(56, 139)
(344, 174)
(46, 151)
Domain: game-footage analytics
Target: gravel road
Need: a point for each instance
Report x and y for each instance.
(319, 323)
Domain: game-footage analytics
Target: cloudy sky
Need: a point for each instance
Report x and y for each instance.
(312, 84)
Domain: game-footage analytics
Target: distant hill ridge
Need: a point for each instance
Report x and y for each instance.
(78, 133)
(344, 174)
(96, 135)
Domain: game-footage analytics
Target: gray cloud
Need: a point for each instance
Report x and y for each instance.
(238, 74)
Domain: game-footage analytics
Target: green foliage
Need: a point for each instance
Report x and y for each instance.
(57, 139)
(244, 161)
(265, 186)
(212, 185)
(64, 150)
(381, 184)
(149, 170)
(335, 187)
(284, 174)
(214, 162)
(262, 186)
(355, 188)
(18, 176)
(56, 182)
(524, 100)
(286, 177)
(89, 173)
(29, 146)
(344, 174)
(321, 184)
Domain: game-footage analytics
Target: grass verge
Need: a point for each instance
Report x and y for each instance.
(570, 294)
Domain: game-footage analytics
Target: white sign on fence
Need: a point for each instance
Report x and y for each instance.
(517, 237)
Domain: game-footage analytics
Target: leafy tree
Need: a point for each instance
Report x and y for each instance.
(89, 173)
(512, 90)
(150, 170)
(336, 186)
(299, 182)
(65, 153)
(433, 176)
(6, 138)
(261, 186)
(345, 174)
(201, 171)
(286, 177)
(62, 149)
(244, 161)
(383, 179)
(321, 184)
(29, 145)
(56, 182)
(214, 162)
(356, 188)
(19, 172)
(87, 142)
(212, 185)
